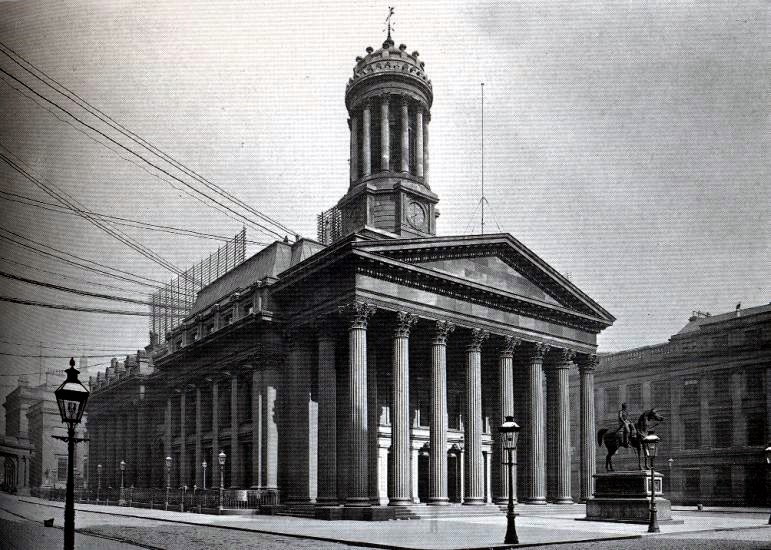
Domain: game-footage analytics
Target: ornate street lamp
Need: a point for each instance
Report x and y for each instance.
(221, 457)
(509, 433)
(767, 452)
(98, 481)
(71, 397)
(650, 445)
(204, 465)
(122, 501)
(168, 480)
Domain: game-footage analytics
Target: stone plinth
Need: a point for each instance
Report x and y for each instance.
(625, 497)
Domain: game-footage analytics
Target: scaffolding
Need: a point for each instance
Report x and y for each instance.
(172, 303)
(329, 226)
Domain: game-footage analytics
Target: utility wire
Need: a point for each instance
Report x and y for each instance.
(87, 293)
(80, 348)
(62, 257)
(122, 156)
(129, 150)
(75, 206)
(51, 207)
(105, 118)
(67, 345)
(53, 357)
(74, 308)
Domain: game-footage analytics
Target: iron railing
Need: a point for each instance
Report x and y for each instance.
(182, 499)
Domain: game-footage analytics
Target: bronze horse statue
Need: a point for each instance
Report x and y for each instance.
(612, 439)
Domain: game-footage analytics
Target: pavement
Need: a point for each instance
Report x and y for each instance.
(137, 524)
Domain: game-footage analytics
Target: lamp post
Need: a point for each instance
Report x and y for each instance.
(168, 480)
(650, 444)
(98, 481)
(221, 457)
(509, 433)
(122, 501)
(71, 397)
(204, 465)
(767, 452)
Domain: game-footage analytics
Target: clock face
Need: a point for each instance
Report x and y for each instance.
(416, 215)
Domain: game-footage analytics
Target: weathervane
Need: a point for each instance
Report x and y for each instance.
(388, 20)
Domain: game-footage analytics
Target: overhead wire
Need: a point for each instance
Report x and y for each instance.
(129, 150)
(105, 118)
(67, 307)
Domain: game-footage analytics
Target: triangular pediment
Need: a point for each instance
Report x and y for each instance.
(496, 262)
(491, 271)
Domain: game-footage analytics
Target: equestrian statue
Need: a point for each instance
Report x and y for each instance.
(628, 435)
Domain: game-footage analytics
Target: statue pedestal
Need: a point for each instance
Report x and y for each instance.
(625, 497)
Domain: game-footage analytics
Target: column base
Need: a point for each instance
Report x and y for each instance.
(563, 500)
(438, 501)
(327, 501)
(400, 502)
(503, 500)
(477, 501)
(535, 500)
(357, 502)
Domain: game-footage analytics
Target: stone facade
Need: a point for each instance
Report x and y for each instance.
(373, 371)
(711, 383)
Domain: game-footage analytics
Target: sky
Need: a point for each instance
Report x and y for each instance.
(625, 143)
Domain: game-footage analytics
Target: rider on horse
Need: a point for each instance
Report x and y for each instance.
(626, 425)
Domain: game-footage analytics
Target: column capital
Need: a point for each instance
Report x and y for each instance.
(587, 362)
(563, 358)
(442, 331)
(539, 350)
(478, 336)
(509, 343)
(357, 313)
(404, 321)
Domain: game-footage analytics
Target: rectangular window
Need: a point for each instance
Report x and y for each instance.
(692, 481)
(691, 434)
(662, 398)
(634, 397)
(722, 431)
(755, 429)
(723, 482)
(246, 385)
(752, 338)
(690, 393)
(721, 382)
(61, 468)
(611, 399)
(227, 319)
(209, 328)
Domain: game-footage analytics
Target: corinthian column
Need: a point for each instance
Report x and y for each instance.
(437, 491)
(419, 140)
(475, 481)
(561, 439)
(366, 149)
(535, 468)
(400, 416)
(358, 314)
(505, 408)
(327, 416)
(354, 148)
(405, 135)
(385, 136)
(586, 366)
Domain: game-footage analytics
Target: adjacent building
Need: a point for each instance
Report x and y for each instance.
(711, 382)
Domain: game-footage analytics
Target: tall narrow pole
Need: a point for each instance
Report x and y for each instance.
(653, 524)
(482, 200)
(69, 505)
(511, 517)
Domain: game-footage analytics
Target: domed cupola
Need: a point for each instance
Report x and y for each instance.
(389, 99)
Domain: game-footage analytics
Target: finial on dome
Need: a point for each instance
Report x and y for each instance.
(389, 41)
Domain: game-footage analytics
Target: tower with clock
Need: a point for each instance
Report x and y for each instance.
(389, 100)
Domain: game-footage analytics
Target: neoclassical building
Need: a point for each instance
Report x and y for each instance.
(372, 371)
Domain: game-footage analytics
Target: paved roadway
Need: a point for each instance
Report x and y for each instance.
(746, 539)
(122, 533)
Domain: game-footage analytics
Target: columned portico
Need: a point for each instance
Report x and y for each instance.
(400, 416)
(437, 493)
(535, 434)
(358, 314)
(475, 480)
(505, 408)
